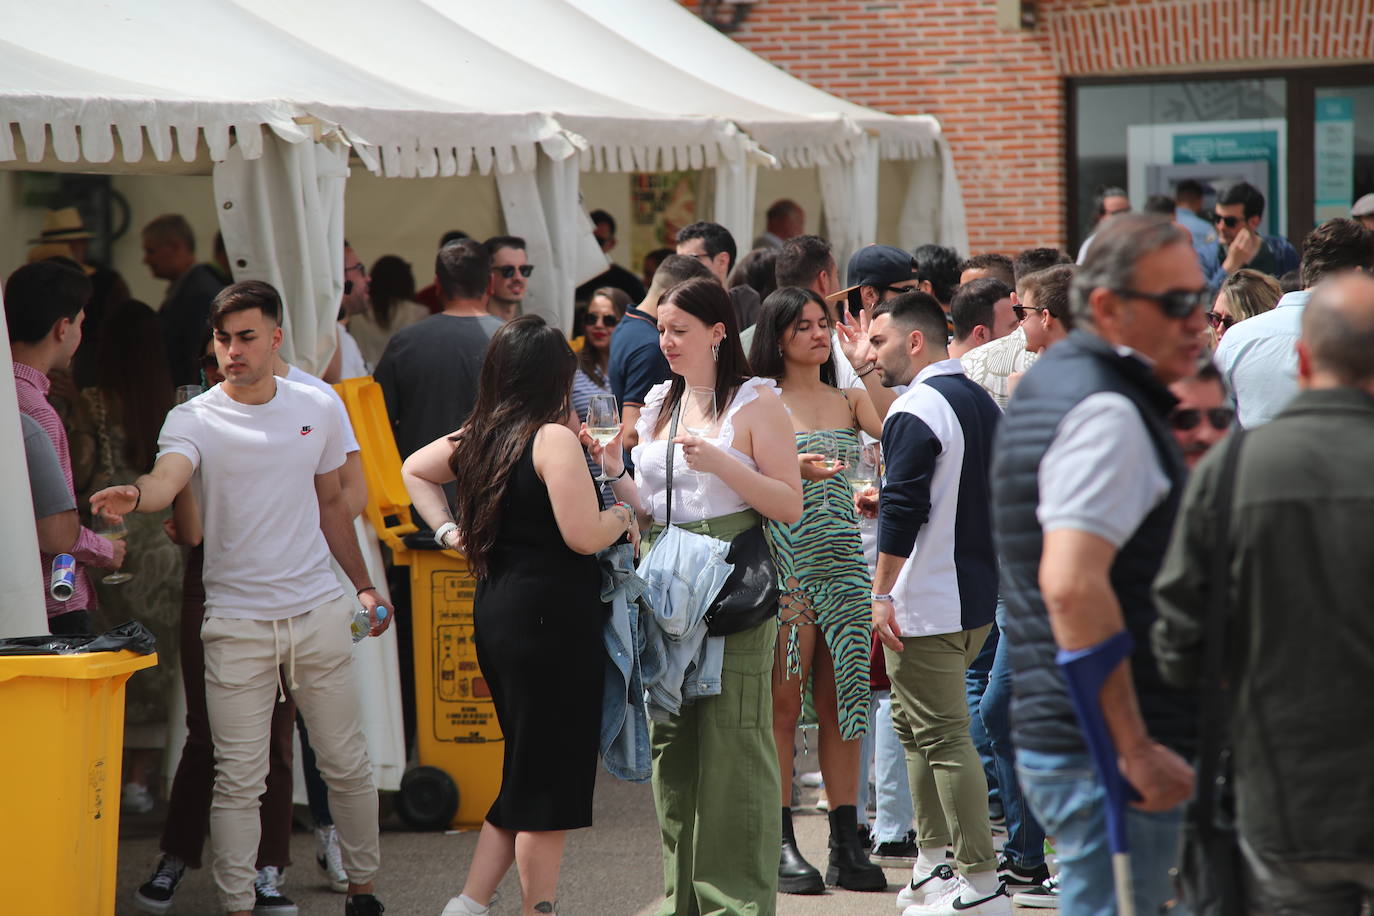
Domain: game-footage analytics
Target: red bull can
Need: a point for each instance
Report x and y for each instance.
(63, 582)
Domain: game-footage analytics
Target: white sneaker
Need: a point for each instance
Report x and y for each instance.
(926, 887)
(457, 906)
(959, 897)
(329, 858)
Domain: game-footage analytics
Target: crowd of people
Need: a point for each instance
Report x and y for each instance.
(884, 502)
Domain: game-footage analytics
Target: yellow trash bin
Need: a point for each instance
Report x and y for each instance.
(60, 759)
(460, 747)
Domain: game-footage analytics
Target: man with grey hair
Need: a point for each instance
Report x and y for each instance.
(1086, 481)
(1299, 577)
(169, 250)
(1109, 202)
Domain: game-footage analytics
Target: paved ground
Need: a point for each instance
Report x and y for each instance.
(613, 869)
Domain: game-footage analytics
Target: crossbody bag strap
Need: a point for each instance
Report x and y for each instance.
(672, 434)
(1217, 687)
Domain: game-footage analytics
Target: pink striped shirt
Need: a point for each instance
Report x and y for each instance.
(32, 389)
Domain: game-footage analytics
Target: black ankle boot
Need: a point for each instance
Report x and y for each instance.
(795, 874)
(849, 866)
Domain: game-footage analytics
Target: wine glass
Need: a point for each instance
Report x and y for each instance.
(112, 530)
(187, 392)
(603, 425)
(862, 469)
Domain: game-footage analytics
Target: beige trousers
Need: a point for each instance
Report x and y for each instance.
(243, 659)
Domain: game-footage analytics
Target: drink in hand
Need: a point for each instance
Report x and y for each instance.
(112, 530)
(603, 435)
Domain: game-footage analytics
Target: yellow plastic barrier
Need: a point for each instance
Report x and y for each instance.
(456, 729)
(61, 762)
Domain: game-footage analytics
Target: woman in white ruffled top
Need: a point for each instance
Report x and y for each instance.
(715, 765)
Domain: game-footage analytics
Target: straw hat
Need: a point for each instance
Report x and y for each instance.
(54, 250)
(62, 225)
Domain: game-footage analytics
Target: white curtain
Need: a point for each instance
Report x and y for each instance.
(736, 183)
(282, 219)
(21, 582)
(544, 207)
(849, 193)
(933, 209)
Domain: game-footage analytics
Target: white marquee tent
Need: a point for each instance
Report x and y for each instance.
(273, 97)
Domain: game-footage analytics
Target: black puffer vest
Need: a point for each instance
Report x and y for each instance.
(1042, 714)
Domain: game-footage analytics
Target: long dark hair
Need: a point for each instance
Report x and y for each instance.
(392, 282)
(131, 363)
(526, 381)
(705, 299)
(777, 322)
(588, 358)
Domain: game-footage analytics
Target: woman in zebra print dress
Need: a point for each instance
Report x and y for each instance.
(824, 631)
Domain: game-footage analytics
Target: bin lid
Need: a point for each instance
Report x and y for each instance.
(82, 666)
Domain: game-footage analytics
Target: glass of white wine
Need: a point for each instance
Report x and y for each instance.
(603, 425)
(185, 393)
(862, 470)
(112, 530)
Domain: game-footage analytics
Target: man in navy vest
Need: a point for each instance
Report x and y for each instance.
(1087, 479)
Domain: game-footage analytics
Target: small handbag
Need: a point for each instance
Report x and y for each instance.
(1211, 873)
(750, 593)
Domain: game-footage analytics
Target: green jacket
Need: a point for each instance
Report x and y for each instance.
(1302, 589)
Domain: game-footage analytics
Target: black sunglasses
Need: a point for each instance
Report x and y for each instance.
(1020, 310)
(1189, 417)
(1176, 303)
(1229, 222)
(1218, 320)
(609, 321)
(508, 270)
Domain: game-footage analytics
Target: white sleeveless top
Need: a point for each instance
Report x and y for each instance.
(696, 496)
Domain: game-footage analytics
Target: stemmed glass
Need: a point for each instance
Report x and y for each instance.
(862, 470)
(603, 425)
(185, 393)
(112, 530)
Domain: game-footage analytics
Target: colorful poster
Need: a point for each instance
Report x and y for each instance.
(661, 203)
(1334, 149)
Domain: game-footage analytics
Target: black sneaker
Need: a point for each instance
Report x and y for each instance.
(1017, 878)
(897, 853)
(363, 905)
(270, 901)
(1044, 897)
(155, 896)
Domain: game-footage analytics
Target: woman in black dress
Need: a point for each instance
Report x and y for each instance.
(529, 521)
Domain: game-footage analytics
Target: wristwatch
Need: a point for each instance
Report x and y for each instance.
(442, 533)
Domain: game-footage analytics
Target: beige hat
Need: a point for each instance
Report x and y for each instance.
(47, 250)
(62, 225)
(1364, 206)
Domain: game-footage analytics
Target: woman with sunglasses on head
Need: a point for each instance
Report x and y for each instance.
(715, 772)
(1245, 294)
(825, 634)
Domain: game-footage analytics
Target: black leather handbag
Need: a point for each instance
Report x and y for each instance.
(750, 593)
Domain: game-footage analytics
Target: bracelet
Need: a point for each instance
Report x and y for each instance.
(623, 472)
(630, 513)
(442, 533)
(139, 498)
(868, 370)
(365, 588)
(884, 597)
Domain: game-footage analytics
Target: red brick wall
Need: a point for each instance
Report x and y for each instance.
(1000, 95)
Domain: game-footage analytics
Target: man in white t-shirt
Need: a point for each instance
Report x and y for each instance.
(268, 452)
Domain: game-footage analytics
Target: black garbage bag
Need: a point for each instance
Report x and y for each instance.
(130, 635)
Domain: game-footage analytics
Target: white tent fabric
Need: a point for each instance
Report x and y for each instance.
(24, 612)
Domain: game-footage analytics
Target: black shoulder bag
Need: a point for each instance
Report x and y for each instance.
(750, 593)
(1211, 873)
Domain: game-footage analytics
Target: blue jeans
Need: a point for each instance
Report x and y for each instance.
(894, 815)
(975, 684)
(1067, 797)
(1025, 838)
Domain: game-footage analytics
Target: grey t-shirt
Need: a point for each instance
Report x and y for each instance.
(49, 486)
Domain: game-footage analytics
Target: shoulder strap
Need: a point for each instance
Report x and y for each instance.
(1217, 683)
(672, 434)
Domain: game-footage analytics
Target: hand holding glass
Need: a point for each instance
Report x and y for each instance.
(112, 530)
(603, 425)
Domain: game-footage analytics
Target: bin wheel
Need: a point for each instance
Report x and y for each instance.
(428, 799)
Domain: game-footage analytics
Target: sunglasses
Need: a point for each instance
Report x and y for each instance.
(1020, 310)
(1230, 222)
(1176, 303)
(609, 321)
(1217, 320)
(507, 271)
(1219, 418)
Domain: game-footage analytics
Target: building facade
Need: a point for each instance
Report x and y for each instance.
(1046, 102)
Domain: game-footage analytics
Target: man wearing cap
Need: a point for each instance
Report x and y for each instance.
(876, 274)
(1363, 211)
(64, 235)
(169, 250)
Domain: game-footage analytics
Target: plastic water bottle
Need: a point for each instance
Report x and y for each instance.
(362, 623)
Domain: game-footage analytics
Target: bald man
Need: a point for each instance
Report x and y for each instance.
(1299, 592)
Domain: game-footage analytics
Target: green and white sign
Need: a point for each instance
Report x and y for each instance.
(1334, 146)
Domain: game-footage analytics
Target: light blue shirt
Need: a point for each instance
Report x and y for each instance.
(1203, 233)
(1258, 357)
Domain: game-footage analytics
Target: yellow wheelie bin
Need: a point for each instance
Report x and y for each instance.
(61, 762)
(460, 748)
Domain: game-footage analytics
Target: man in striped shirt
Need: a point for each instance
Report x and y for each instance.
(44, 306)
(935, 591)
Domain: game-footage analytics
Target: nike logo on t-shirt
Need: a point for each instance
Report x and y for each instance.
(305, 430)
